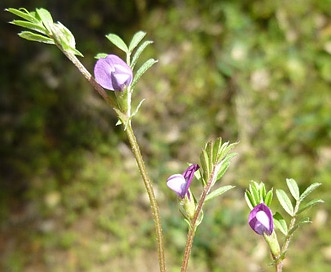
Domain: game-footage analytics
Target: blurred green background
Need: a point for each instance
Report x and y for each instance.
(257, 72)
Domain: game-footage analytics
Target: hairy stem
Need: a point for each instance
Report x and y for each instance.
(194, 221)
(151, 195)
(137, 154)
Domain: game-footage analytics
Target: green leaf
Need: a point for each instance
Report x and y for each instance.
(65, 38)
(23, 13)
(285, 201)
(46, 18)
(217, 150)
(309, 204)
(33, 26)
(137, 54)
(35, 37)
(262, 191)
(148, 64)
(249, 200)
(310, 189)
(205, 166)
(268, 198)
(280, 223)
(136, 40)
(219, 191)
(224, 167)
(101, 56)
(118, 42)
(209, 149)
(255, 193)
(293, 187)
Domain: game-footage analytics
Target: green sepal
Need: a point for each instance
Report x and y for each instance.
(100, 55)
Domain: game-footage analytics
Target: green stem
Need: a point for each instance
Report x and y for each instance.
(136, 151)
(279, 261)
(193, 223)
(151, 195)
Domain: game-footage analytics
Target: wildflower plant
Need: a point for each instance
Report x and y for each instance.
(262, 221)
(115, 79)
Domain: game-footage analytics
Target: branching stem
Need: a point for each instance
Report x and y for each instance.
(136, 152)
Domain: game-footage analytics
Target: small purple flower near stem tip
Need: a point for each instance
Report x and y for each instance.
(112, 73)
(180, 184)
(261, 220)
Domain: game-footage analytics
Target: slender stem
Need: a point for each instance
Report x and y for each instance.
(291, 226)
(279, 261)
(151, 195)
(279, 266)
(193, 227)
(136, 151)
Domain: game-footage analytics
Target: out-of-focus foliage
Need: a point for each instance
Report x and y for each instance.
(257, 72)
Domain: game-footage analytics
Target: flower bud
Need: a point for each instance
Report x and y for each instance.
(112, 73)
(261, 220)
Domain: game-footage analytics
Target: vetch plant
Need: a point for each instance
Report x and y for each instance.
(115, 81)
(262, 221)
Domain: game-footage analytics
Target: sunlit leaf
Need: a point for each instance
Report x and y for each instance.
(293, 187)
(33, 26)
(137, 54)
(35, 37)
(136, 40)
(284, 201)
(118, 42)
(309, 190)
(280, 223)
(204, 163)
(219, 191)
(46, 18)
(148, 64)
(268, 197)
(23, 13)
(309, 204)
(249, 200)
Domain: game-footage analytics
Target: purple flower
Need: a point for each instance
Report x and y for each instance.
(180, 184)
(112, 73)
(261, 220)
